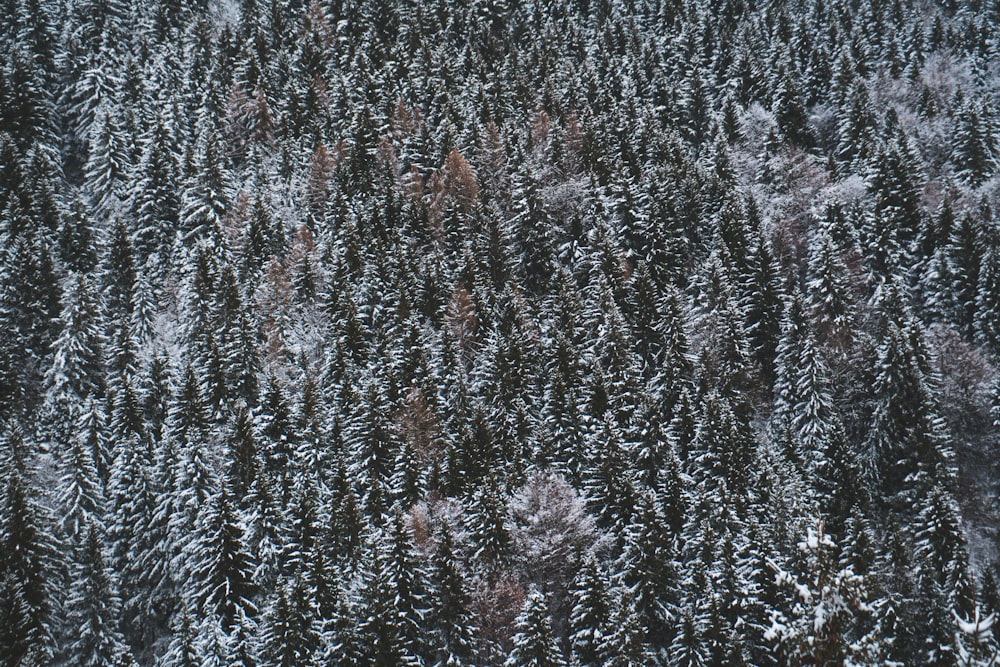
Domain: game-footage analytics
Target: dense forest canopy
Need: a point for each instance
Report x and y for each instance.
(556, 332)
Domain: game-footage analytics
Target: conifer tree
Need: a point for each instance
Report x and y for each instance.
(29, 306)
(288, 633)
(534, 644)
(907, 445)
(590, 614)
(828, 290)
(856, 125)
(450, 621)
(29, 575)
(826, 614)
(76, 235)
(94, 610)
(789, 111)
(205, 200)
(153, 200)
(81, 490)
(222, 570)
(381, 625)
(393, 595)
(964, 258)
(626, 647)
(975, 146)
(119, 276)
(815, 422)
(651, 577)
(77, 364)
(534, 232)
(896, 216)
(183, 650)
(243, 463)
(988, 300)
(687, 649)
(494, 544)
(106, 160)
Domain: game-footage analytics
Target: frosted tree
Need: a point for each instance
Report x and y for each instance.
(288, 632)
(29, 567)
(827, 613)
(974, 641)
(975, 144)
(815, 421)
(450, 621)
(626, 646)
(221, 571)
(907, 443)
(205, 198)
(107, 160)
(81, 490)
(590, 615)
(76, 373)
(534, 643)
(95, 611)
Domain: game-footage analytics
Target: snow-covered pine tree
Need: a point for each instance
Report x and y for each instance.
(975, 144)
(76, 373)
(81, 489)
(824, 615)
(449, 619)
(30, 567)
(590, 615)
(534, 643)
(221, 570)
(95, 610)
(288, 632)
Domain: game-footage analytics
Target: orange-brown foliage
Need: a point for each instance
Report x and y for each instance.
(462, 321)
(321, 171)
(418, 423)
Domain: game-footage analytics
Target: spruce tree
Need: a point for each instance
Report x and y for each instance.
(534, 644)
(76, 373)
(95, 611)
(590, 614)
(222, 572)
(81, 489)
(288, 631)
(29, 573)
(975, 145)
(824, 621)
(449, 619)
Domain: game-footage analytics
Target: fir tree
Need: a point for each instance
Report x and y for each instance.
(449, 621)
(289, 637)
(825, 622)
(222, 571)
(975, 145)
(81, 490)
(77, 364)
(94, 610)
(590, 615)
(534, 644)
(206, 199)
(28, 569)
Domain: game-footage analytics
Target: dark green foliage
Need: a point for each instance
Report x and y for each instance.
(29, 573)
(95, 611)
(534, 645)
(222, 570)
(289, 636)
(439, 333)
(975, 150)
(450, 623)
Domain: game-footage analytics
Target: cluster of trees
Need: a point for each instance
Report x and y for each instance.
(562, 332)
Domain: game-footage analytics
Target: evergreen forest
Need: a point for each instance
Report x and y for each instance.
(514, 333)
